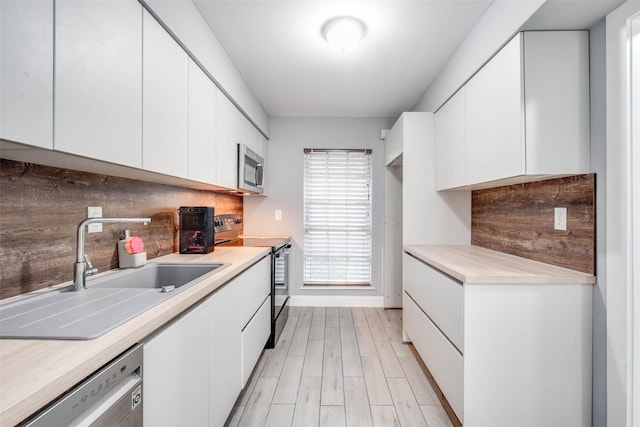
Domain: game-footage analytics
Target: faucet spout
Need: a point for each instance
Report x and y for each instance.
(80, 267)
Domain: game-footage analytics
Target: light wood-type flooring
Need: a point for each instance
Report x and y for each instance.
(339, 367)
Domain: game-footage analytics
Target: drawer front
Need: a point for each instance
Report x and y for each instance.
(256, 286)
(254, 337)
(438, 296)
(443, 360)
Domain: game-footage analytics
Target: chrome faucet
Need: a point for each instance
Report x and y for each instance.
(83, 266)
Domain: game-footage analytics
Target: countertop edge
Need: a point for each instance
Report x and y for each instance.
(471, 265)
(15, 408)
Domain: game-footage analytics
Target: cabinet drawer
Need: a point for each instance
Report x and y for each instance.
(254, 337)
(257, 285)
(443, 360)
(438, 296)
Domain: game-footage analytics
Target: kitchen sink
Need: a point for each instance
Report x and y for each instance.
(109, 301)
(154, 276)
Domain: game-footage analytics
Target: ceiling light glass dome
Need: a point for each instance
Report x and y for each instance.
(344, 33)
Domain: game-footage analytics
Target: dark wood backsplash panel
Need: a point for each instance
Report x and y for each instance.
(519, 219)
(42, 206)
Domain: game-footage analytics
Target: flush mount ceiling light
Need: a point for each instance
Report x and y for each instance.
(343, 33)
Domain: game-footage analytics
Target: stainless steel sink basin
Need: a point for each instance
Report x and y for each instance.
(108, 301)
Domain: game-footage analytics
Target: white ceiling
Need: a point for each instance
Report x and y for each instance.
(277, 45)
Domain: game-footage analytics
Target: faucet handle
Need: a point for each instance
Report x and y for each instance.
(90, 270)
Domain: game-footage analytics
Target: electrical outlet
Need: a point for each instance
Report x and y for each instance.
(278, 215)
(94, 212)
(560, 218)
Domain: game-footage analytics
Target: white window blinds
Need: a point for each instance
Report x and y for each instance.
(337, 217)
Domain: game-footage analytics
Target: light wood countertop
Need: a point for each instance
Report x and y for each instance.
(474, 265)
(33, 373)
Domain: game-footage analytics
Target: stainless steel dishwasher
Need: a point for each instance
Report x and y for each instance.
(110, 397)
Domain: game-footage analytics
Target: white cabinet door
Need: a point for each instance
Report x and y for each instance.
(226, 351)
(494, 117)
(450, 143)
(254, 337)
(165, 112)
(249, 135)
(26, 72)
(98, 80)
(176, 372)
(202, 125)
(227, 126)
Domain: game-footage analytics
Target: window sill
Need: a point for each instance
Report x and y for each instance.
(338, 287)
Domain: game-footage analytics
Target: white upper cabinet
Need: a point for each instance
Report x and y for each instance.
(98, 80)
(226, 144)
(450, 143)
(393, 145)
(165, 113)
(26, 72)
(202, 125)
(526, 115)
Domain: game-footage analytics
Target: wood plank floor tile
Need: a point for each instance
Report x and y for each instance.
(347, 332)
(376, 382)
(436, 416)
(280, 416)
(385, 317)
(255, 414)
(307, 411)
(375, 325)
(351, 363)
(420, 385)
(317, 328)
(385, 416)
(287, 390)
(388, 359)
(339, 366)
(409, 412)
(313, 359)
(332, 416)
(332, 345)
(359, 318)
(357, 410)
(299, 341)
(344, 311)
(234, 416)
(365, 342)
(332, 317)
(332, 390)
(306, 313)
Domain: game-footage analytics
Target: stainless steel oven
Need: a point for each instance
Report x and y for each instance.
(279, 291)
(111, 397)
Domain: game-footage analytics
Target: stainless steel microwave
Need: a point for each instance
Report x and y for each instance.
(250, 170)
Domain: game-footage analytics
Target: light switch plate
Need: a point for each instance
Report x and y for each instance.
(278, 215)
(560, 219)
(94, 212)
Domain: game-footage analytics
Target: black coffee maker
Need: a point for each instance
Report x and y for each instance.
(196, 229)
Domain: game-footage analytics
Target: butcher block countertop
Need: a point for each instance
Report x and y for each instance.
(35, 372)
(476, 265)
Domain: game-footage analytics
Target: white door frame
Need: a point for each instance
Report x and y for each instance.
(622, 349)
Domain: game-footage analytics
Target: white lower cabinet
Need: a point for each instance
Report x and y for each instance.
(196, 367)
(254, 337)
(503, 354)
(176, 372)
(226, 351)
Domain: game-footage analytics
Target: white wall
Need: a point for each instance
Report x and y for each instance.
(289, 136)
(187, 24)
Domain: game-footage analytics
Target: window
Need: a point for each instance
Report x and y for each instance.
(337, 217)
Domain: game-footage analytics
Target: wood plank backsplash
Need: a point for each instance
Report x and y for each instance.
(42, 206)
(519, 219)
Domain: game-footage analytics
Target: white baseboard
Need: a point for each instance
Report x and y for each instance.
(335, 301)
